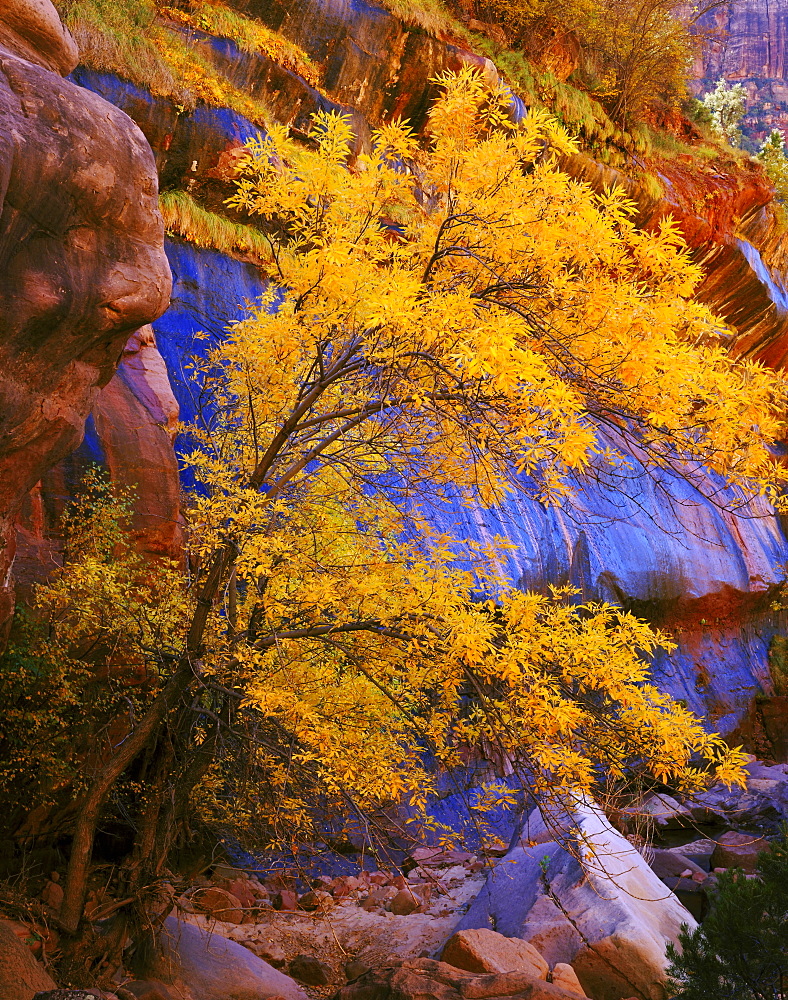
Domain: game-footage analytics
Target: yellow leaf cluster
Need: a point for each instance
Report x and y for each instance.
(446, 322)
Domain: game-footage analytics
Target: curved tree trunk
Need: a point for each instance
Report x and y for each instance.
(75, 886)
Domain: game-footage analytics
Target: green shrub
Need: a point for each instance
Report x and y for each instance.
(741, 950)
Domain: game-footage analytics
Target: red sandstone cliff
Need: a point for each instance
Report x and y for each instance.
(750, 45)
(81, 252)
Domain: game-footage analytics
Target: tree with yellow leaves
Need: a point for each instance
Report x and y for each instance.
(460, 318)
(634, 52)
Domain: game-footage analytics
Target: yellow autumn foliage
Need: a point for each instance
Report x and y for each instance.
(462, 319)
(450, 322)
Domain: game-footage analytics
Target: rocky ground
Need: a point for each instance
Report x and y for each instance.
(539, 920)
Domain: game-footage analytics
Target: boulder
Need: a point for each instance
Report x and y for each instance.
(21, 977)
(598, 907)
(738, 850)
(207, 966)
(426, 979)
(310, 970)
(698, 852)
(764, 802)
(218, 903)
(482, 950)
(667, 864)
(661, 810)
(564, 975)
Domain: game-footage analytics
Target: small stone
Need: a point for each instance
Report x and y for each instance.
(222, 872)
(424, 891)
(52, 896)
(341, 889)
(147, 989)
(495, 848)
(286, 900)
(270, 951)
(310, 970)
(219, 903)
(316, 899)
(403, 903)
(382, 893)
(355, 969)
(242, 889)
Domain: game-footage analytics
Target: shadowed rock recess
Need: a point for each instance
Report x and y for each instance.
(658, 545)
(81, 255)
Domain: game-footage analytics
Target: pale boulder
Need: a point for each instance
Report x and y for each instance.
(207, 966)
(599, 908)
(482, 950)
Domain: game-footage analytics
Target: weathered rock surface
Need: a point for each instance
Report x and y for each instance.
(609, 917)
(373, 61)
(749, 47)
(209, 967)
(21, 977)
(762, 804)
(426, 979)
(564, 975)
(135, 417)
(482, 950)
(81, 254)
(32, 29)
(738, 850)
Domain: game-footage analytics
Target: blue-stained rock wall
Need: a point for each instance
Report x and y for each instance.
(657, 546)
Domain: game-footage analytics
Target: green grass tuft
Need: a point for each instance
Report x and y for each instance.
(115, 37)
(184, 217)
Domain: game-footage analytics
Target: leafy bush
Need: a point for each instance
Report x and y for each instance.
(636, 52)
(726, 106)
(775, 163)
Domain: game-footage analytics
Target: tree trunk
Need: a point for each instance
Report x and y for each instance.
(75, 886)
